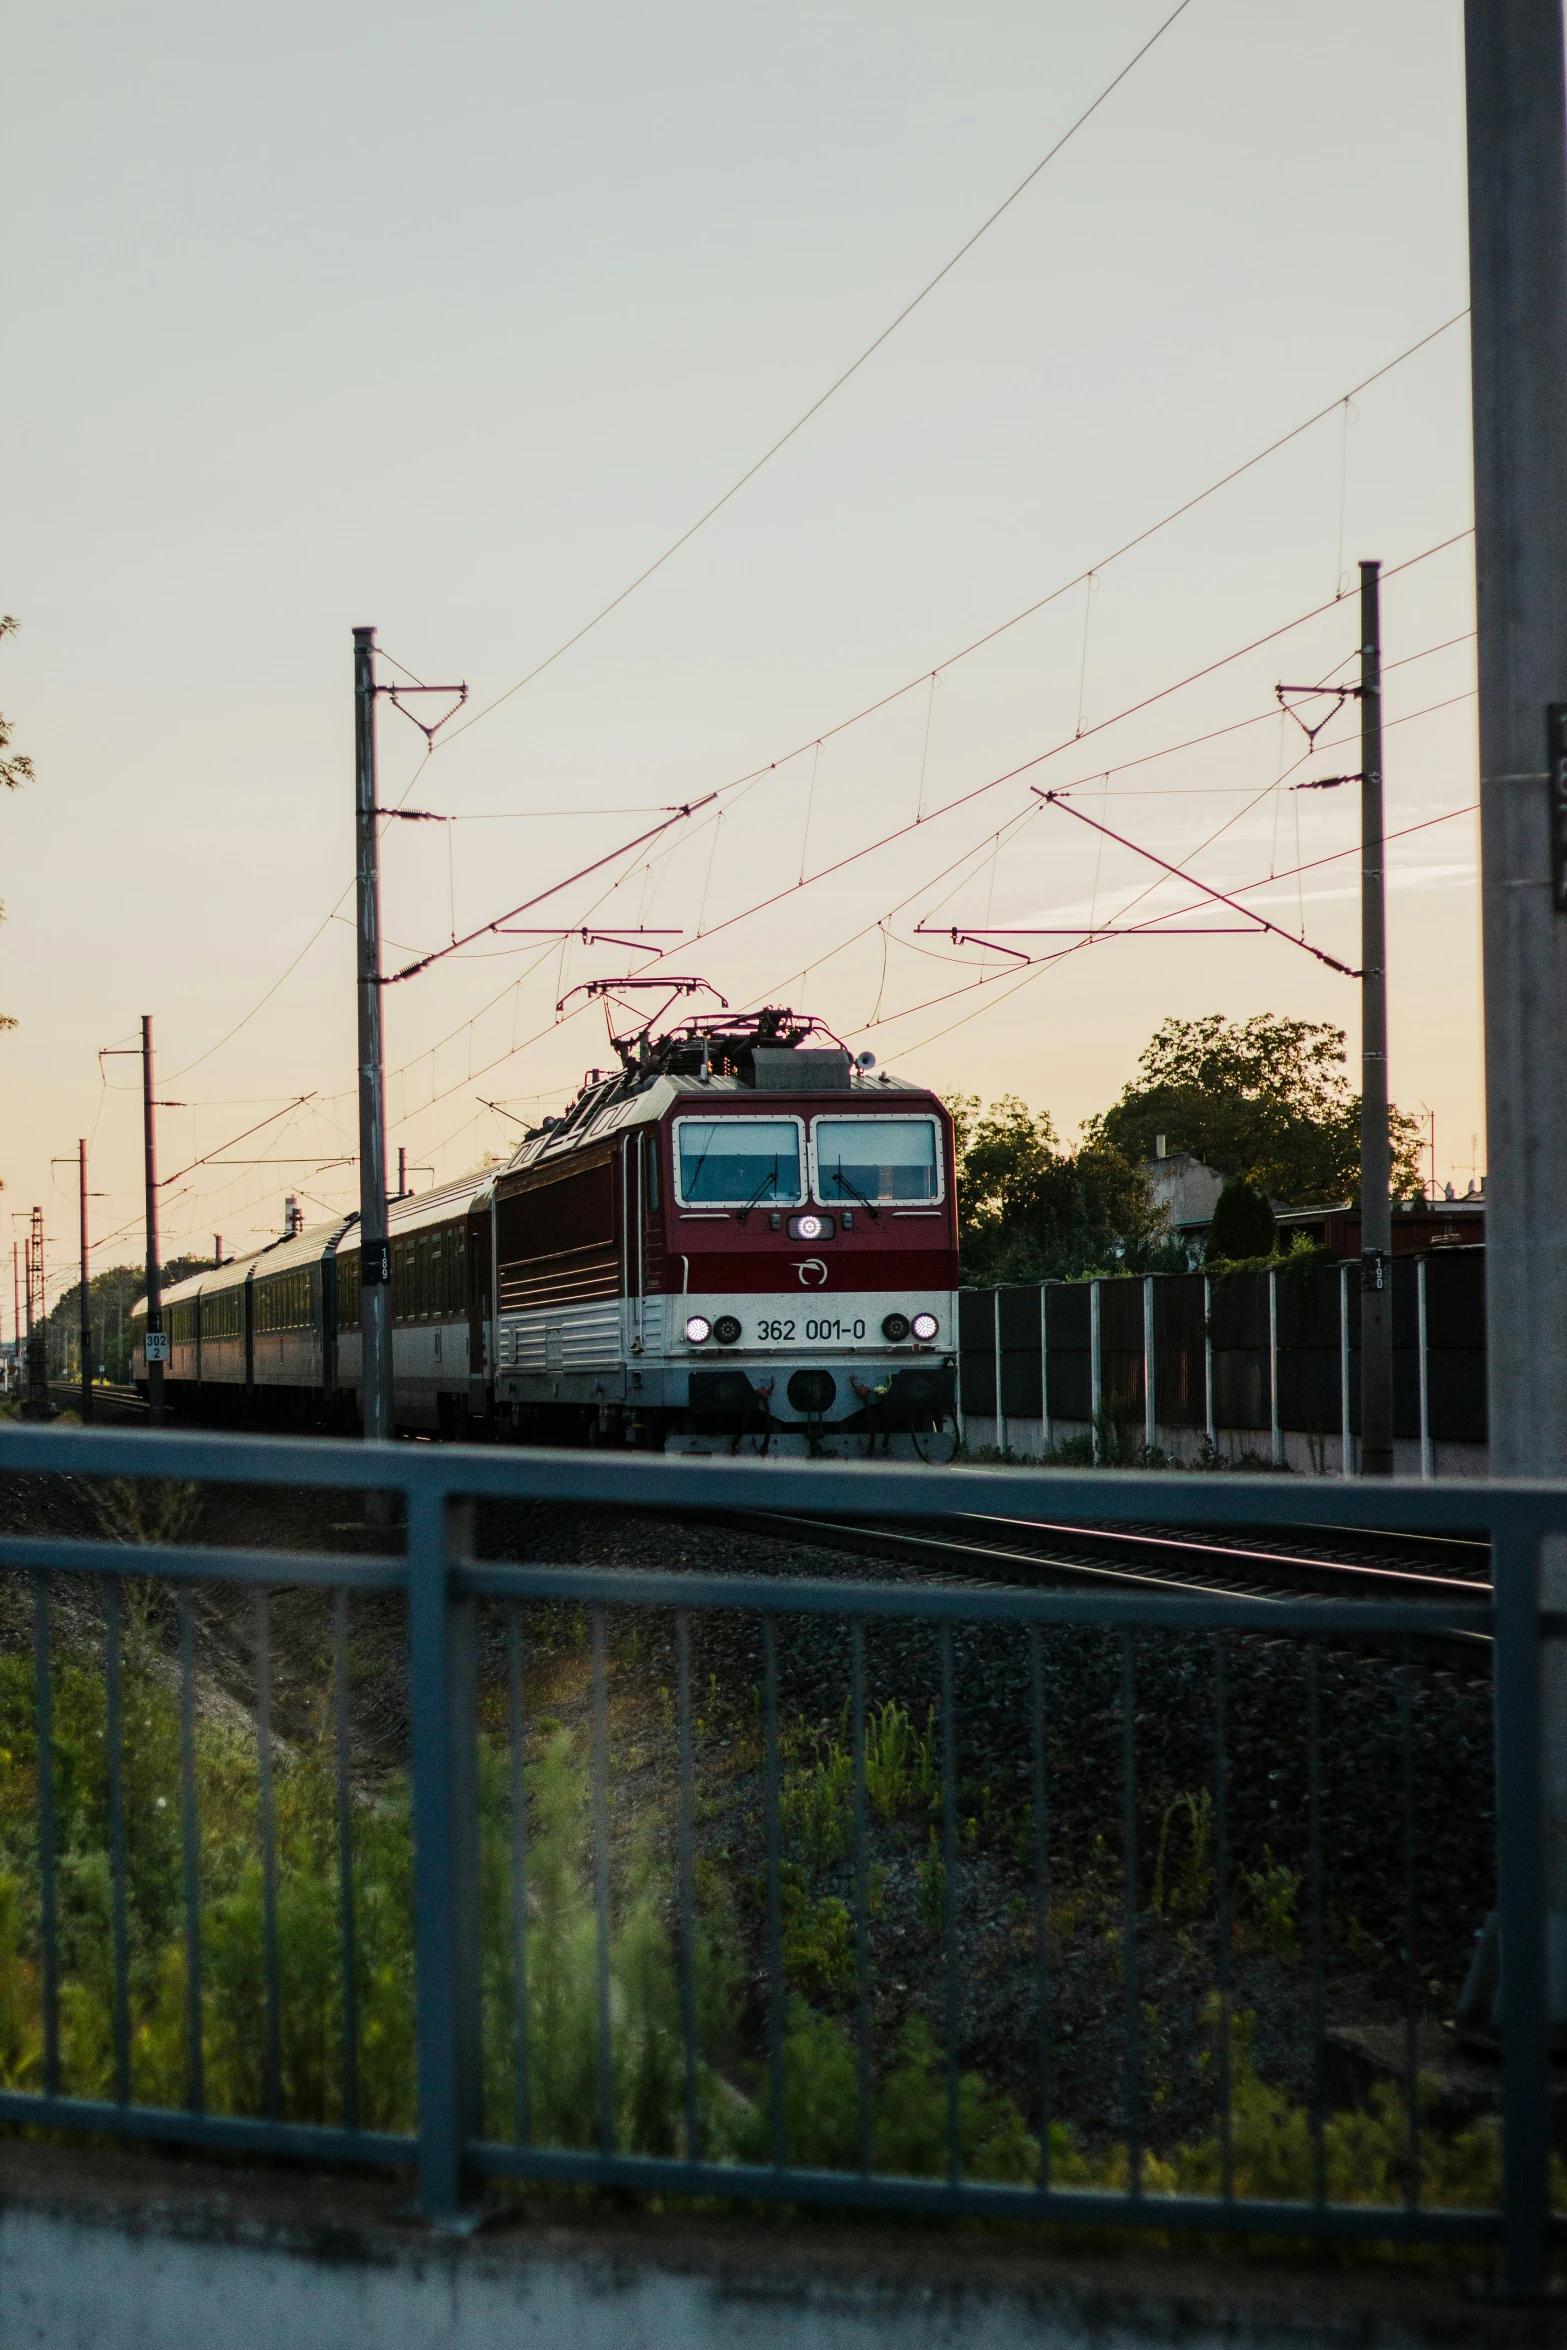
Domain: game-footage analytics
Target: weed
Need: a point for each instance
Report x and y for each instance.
(930, 1890)
(1188, 1890)
(1268, 1896)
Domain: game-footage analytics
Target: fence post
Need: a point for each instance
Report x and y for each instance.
(1095, 1368)
(1207, 1361)
(1044, 1373)
(443, 1704)
(1150, 1421)
(1273, 1367)
(1001, 1425)
(1426, 1468)
(1520, 1824)
(1346, 1441)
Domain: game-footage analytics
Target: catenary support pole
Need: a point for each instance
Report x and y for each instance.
(375, 1320)
(1376, 1226)
(1516, 101)
(149, 1130)
(37, 1321)
(16, 1311)
(86, 1299)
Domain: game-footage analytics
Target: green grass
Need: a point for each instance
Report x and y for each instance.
(1367, 2155)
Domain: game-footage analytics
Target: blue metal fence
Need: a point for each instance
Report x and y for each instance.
(445, 1584)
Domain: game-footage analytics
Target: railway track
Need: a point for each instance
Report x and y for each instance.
(975, 1546)
(978, 1546)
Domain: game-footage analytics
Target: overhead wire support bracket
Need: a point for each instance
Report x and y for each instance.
(1247, 913)
(394, 694)
(1326, 782)
(488, 929)
(1337, 694)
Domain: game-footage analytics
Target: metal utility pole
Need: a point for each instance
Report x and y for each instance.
(157, 1344)
(16, 1311)
(1376, 1223)
(37, 1321)
(1518, 335)
(86, 1314)
(375, 1319)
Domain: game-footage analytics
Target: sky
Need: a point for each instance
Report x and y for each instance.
(452, 322)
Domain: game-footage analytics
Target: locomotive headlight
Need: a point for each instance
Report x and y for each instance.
(895, 1328)
(812, 1227)
(727, 1329)
(698, 1330)
(925, 1327)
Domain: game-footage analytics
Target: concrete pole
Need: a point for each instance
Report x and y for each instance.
(1376, 1225)
(375, 1317)
(86, 1306)
(1516, 103)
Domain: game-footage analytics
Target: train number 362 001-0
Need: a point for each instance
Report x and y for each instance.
(834, 1329)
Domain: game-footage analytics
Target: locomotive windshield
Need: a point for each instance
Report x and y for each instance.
(877, 1159)
(738, 1162)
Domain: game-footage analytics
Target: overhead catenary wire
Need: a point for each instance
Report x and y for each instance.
(836, 386)
(1127, 546)
(1038, 759)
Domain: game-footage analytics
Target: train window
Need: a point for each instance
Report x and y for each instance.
(876, 1159)
(348, 1291)
(738, 1162)
(650, 1173)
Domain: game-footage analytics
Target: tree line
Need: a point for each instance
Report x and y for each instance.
(1265, 1101)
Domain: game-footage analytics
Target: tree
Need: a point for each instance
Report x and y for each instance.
(15, 770)
(1030, 1211)
(1242, 1224)
(1265, 1098)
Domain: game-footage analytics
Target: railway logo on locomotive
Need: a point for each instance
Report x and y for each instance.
(812, 1272)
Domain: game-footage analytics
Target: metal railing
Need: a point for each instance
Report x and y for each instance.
(457, 2007)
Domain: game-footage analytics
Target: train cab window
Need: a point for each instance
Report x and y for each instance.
(738, 1162)
(650, 1174)
(891, 1160)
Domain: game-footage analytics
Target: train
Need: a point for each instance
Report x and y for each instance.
(742, 1237)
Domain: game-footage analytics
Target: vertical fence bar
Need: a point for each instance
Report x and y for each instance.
(1406, 1789)
(190, 1841)
(1515, 1670)
(1045, 1445)
(606, 2045)
(1150, 1399)
(268, 1855)
(1001, 1425)
(43, 1702)
(1036, 1691)
(1221, 1902)
(1427, 1468)
(1207, 1364)
(347, 1921)
(518, 1798)
(1132, 2020)
(1095, 1366)
(444, 1700)
(862, 1945)
(268, 1830)
(775, 2063)
(1319, 2038)
(949, 1904)
(1346, 1440)
(1276, 1430)
(687, 1883)
(114, 1730)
